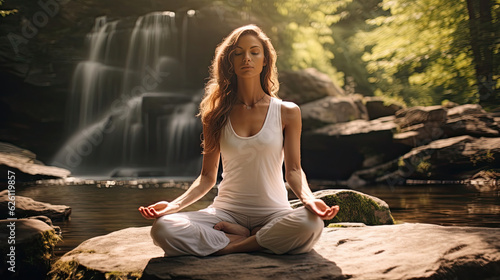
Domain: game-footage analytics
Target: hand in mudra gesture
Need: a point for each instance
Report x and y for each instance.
(158, 209)
(319, 207)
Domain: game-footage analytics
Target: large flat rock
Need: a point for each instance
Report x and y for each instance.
(405, 251)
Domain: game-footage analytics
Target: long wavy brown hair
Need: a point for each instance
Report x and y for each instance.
(220, 91)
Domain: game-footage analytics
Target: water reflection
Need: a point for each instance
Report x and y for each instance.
(98, 211)
(443, 205)
(101, 210)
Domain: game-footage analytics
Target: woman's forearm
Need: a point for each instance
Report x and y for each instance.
(197, 190)
(298, 183)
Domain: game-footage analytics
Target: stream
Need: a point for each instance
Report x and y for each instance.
(99, 209)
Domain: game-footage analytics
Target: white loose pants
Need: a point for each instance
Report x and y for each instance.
(293, 231)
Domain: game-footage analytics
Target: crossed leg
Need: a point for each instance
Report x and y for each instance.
(295, 232)
(231, 228)
(239, 239)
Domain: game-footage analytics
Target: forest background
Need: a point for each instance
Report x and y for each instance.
(415, 52)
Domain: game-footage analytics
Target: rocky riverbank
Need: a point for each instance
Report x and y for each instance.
(28, 235)
(364, 140)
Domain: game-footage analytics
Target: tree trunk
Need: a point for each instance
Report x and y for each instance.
(482, 34)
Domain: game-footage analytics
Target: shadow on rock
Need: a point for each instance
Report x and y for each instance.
(244, 266)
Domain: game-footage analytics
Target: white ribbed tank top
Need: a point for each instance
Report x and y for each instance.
(252, 178)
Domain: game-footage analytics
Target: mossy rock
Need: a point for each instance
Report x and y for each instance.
(34, 248)
(119, 255)
(355, 207)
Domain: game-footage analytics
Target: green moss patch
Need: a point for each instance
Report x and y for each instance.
(33, 257)
(355, 207)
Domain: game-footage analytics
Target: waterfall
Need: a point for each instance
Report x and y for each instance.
(130, 113)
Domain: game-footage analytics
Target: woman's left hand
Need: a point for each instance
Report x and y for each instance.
(319, 207)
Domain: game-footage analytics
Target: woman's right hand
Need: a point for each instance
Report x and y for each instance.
(158, 209)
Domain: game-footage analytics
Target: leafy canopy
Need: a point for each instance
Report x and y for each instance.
(420, 52)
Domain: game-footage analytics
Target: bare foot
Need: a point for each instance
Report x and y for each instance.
(232, 229)
(246, 244)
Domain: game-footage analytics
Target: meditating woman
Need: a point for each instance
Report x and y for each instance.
(253, 131)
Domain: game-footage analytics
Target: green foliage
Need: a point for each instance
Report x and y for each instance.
(417, 52)
(420, 52)
(347, 53)
(482, 158)
(423, 167)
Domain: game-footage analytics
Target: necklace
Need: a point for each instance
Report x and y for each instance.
(248, 107)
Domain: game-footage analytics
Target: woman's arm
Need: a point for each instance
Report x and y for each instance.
(197, 190)
(294, 175)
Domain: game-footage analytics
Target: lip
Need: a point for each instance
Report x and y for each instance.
(246, 67)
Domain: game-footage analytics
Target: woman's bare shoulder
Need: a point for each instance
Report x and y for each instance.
(289, 107)
(290, 112)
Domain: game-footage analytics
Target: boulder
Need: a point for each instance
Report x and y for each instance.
(485, 180)
(355, 207)
(405, 251)
(330, 110)
(457, 158)
(422, 125)
(25, 165)
(359, 127)
(27, 207)
(466, 109)
(335, 151)
(420, 134)
(378, 107)
(30, 256)
(306, 85)
(416, 115)
(451, 158)
(477, 126)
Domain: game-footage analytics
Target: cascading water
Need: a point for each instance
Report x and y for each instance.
(127, 114)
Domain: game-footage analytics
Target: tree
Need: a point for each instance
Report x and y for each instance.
(350, 20)
(483, 36)
(421, 52)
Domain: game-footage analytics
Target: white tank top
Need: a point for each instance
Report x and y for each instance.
(252, 178)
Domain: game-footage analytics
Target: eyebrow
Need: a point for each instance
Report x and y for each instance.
(250, 47)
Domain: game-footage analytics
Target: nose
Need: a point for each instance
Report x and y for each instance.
(246, 57)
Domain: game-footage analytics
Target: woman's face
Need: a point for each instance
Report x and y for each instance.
(248, 57)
